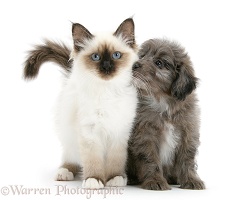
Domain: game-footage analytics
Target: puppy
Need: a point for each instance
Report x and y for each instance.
(165, 138)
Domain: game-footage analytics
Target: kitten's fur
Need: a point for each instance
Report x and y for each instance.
(50, 51)
(97, 106)
(165, 139)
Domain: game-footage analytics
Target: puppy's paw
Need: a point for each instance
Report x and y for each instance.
(155, 184)
(64, 174)
(193, 185)
(92, 183)
(117, 181)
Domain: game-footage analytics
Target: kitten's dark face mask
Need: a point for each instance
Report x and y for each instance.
(164, 68)
(106, 62)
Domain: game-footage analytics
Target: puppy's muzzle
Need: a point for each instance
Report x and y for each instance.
(136, 65)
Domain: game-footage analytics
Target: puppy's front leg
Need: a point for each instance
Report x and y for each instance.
(145, 149)
(185, 165)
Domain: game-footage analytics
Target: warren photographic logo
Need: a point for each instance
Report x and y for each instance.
(59, 190)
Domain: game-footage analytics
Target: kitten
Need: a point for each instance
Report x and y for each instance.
(97, 105)
(165, 139)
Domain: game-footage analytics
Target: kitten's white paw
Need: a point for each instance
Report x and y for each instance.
(92, 183)
(64, 174)
(117, 181)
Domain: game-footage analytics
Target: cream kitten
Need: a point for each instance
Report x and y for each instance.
(97, 106)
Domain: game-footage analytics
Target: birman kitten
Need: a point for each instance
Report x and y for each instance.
(97, 106)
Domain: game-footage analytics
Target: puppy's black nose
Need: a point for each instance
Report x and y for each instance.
(136, 65)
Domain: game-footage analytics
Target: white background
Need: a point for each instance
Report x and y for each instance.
(29, 149)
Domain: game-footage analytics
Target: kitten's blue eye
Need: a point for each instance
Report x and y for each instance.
(95, 57)
(116, 55)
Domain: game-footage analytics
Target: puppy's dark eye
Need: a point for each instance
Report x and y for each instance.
(159, 63)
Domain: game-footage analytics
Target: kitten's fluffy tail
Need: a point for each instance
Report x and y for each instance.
(49, 51)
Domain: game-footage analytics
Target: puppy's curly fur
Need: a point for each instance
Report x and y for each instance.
(165, 138)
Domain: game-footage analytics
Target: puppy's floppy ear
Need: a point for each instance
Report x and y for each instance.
(184, 83)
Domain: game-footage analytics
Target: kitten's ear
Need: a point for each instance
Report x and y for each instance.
(184, 83)
(127, 31)
(80, 35)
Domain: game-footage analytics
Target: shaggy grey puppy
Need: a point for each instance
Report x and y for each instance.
(165, 138)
